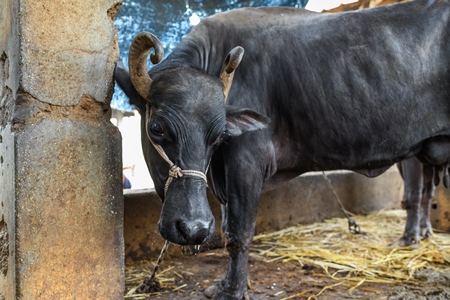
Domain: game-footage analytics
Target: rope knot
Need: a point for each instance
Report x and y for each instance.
(175, 172)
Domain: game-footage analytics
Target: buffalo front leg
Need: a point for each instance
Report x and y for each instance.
(239, 226)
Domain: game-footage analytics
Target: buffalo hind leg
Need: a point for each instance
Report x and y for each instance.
(436, 152)
(426, 231)
(411, 171)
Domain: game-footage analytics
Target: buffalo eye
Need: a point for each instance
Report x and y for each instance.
(221, 138)
(156, 128)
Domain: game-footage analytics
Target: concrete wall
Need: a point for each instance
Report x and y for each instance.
(303, 200)
(61, 208)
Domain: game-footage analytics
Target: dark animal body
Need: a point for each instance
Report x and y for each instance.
(359, 91)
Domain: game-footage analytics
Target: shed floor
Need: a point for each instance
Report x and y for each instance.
(309, 277)
(276, 280)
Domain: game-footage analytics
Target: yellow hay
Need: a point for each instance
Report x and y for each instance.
(355, 259)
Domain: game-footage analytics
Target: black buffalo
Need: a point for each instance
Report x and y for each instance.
(357, 90)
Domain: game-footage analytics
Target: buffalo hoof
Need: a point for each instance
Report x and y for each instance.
(407, 241)
(212, 290)
(217, 292)
(426, 233)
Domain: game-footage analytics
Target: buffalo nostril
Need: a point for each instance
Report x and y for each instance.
(183, 229)
(199, 237)
(194, 233)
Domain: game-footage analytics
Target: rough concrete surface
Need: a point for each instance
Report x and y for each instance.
(309, 198)
(9, 61)
(62, 208)
(7, 216)
(68, 216)
(67, 49)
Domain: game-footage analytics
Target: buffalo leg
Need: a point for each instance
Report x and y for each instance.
(239, 218)
(426, 230)
(239, 227)
(411, 170)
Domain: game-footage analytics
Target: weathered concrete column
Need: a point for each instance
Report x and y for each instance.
(61, 199)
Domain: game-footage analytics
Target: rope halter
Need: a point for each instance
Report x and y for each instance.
(174, 170)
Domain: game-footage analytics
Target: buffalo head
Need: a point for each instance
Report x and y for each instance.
(184, 120)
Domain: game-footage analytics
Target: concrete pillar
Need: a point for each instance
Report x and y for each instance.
(440, 209)
(61, 198)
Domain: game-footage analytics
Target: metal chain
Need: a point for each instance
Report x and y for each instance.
(150, 282)
(352, 226)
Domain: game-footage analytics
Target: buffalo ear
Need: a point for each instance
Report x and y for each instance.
(122, 77)
(241, 120)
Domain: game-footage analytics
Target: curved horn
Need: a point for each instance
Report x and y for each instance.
(137, 60)
(229, 66)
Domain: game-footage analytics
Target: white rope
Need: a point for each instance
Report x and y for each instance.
(174, 170)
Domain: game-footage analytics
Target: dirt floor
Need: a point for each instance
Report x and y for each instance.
(315, 266)
(287, 280)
